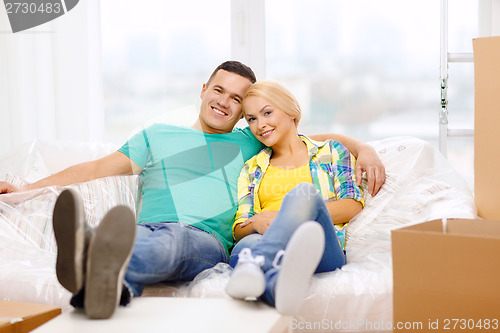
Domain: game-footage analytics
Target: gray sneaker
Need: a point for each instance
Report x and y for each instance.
(299, 261)
(109, 253)
(72, 237)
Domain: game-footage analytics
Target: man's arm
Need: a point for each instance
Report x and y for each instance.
(111, 165)
(367, 160)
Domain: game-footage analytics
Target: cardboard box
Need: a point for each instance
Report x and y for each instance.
(447, 279)
(487, 126)
(24, 317)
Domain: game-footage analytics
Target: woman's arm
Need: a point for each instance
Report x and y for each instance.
(348, 196)
(241, 226)
(258, 223)
(367, 160)
(343, 210)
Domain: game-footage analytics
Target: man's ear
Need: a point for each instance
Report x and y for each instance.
(203, 89)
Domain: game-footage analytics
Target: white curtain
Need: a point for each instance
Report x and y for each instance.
(50, 79)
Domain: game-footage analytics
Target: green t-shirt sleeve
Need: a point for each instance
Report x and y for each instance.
(137, 148)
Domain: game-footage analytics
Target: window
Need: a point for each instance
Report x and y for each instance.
(462, 28)
(370, 69)
(156, 56)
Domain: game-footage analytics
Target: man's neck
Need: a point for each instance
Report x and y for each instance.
(197, 125)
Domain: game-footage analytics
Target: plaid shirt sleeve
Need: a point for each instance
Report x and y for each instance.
(245, 196)
(343, 169)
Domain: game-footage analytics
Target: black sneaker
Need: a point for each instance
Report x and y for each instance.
(72, 237)
(109, 253)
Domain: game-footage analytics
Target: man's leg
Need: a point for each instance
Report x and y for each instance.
(72, 237)
(90, 263)
(109, 252)
(172, 252)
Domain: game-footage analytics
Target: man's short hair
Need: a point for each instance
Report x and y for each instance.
(236, 67)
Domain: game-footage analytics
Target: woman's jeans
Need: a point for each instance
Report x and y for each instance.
(303, 203)
(171, 252)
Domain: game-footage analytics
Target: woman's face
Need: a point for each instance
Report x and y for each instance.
(269, 124)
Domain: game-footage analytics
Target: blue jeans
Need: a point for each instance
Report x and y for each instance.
(303, 203)
(171, 251)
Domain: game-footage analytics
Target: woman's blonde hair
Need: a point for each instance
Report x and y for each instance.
(277, 95)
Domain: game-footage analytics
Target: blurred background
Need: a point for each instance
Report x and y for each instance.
(369, 69)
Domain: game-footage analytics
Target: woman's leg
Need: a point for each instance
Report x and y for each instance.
(247, 279)
(303, 203)
(288, 281)
(246, 242)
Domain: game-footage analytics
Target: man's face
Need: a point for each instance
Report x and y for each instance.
(221, 102)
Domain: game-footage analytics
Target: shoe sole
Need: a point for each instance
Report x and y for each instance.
(302, 256)
(69, 231)
(109, 252)
(246, 286)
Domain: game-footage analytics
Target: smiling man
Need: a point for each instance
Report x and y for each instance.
(189, 189)
(221, 99)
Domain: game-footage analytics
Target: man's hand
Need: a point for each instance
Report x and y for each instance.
(9, 188)
(11, 194)
(261, 221)
(369, 162)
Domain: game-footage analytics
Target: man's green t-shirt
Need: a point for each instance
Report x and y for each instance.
(190, 176)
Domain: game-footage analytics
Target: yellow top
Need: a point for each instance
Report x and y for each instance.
(277, 182)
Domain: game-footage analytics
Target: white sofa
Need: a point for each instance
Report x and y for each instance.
(420, 186)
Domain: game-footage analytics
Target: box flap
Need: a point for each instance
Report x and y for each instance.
(483, 228)
(458, 227)
(486, 121)
(24, 317)
(439, 276)
(428, 259)
(431, 226)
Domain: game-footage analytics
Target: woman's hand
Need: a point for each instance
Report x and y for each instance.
(260, 222)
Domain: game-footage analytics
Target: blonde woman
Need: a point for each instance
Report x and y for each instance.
(295, 198)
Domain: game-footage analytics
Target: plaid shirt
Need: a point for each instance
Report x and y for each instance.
(332, 173)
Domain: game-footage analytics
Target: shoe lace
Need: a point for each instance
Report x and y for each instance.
(245, 256)
(277, 259)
